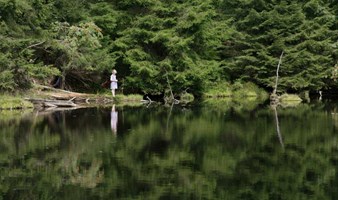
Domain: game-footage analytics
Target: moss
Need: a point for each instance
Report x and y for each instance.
(218, 90)
(287, 104)
(218, 94)
(187, 97)
(237, 90)
(130, 97)
(14, 102)
(289, 97)
(245, 93)
(249, 90)
(289, 100)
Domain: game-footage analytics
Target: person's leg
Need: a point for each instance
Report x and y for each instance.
(113, 92)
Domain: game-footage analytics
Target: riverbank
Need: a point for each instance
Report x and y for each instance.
(44, 96)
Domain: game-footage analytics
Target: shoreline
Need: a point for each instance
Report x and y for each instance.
(46, 97)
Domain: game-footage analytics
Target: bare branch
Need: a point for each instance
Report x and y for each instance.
(277, 75)
(33, 45)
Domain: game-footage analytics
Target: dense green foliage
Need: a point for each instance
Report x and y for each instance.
(305, 31)
(157, 46)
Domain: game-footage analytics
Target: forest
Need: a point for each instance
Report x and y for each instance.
(186, 46)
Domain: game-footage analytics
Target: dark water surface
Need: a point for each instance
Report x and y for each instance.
(206, 151)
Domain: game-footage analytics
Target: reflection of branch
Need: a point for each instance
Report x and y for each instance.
(277, 126)
(171, 108)
(149, 99)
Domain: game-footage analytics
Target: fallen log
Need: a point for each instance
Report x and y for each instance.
(82, 99)
(67, 97)
(46, 104)
(53, 103)
(58, 97)
(60, 104)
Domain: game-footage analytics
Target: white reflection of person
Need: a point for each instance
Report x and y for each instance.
(113, 119)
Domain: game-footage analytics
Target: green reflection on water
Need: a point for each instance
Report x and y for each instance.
(207, 151)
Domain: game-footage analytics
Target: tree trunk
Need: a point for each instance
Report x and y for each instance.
(277, 75)
(64, 72)
(63, 80)
(274, 97)
(170, 99)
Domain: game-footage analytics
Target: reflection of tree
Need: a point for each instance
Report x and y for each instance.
(200, 153)
(199, 163)
(88, 178)
(168, 118)
(42, 164)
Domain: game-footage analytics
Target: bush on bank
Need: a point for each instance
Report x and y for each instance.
(237, 90)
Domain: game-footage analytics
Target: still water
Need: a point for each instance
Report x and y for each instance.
(205, 151)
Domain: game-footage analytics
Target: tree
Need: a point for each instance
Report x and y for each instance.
(20, 31)
(304, 31)
(74, 46)
(162, 43)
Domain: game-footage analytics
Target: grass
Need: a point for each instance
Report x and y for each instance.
(131, 99)
(121, 97)
(13, 102)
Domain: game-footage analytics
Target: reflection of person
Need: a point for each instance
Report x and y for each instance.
(113, 82)
(113, 120)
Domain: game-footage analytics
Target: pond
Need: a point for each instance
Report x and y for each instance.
(201, 151)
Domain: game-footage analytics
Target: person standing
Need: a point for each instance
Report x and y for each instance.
(113, 82)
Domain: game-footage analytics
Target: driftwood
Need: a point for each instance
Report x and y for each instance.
(52, 103)
(82, 99)
(63, 98)
(170, 99)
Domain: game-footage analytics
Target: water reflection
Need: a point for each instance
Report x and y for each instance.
(198, 152)
(274, 107)
(113, 119)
